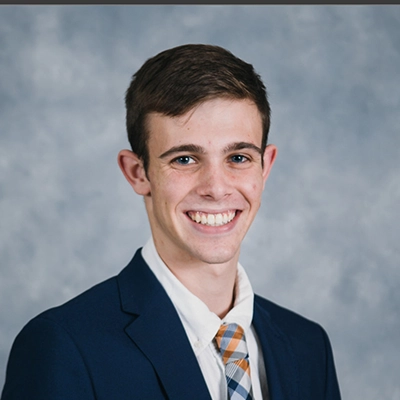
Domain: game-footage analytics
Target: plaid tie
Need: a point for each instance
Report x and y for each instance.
(232, 345)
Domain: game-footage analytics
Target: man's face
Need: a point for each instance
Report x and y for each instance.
(205, 180)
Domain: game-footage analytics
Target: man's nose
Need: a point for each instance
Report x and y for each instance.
(215, 182)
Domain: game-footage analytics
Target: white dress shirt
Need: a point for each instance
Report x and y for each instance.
(201, 326)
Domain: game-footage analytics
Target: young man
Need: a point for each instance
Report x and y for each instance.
(181, 320)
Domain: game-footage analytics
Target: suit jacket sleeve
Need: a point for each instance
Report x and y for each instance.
(316, 369)
(45, 364)
(331, 384)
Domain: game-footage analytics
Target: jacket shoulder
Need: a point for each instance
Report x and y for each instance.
(92, 302)
(286, 320)
(306, 342)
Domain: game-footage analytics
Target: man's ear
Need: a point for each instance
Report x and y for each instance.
(132, 168)
(269, 157)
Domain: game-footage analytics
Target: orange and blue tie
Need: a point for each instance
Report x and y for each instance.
(232, 345)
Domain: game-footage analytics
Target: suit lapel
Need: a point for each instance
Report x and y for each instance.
(279, 358)
(158, 332)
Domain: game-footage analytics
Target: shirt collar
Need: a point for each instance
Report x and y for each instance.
(199, 322)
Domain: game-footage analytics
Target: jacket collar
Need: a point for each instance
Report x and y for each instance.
(157, 330)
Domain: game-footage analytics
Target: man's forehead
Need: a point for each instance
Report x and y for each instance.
(206, 107)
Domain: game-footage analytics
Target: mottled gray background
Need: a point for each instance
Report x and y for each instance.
(324, 242)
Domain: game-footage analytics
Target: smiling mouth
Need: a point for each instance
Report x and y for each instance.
(208, 219)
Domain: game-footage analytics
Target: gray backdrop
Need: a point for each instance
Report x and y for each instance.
(324, 242)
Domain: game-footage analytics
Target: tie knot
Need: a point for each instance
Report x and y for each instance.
(231, 342)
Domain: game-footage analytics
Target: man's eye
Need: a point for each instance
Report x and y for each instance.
(184, 160)
(238, 158)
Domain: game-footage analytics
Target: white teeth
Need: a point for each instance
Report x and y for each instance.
(212, 219)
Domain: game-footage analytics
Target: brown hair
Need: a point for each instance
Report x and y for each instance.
(176, 80)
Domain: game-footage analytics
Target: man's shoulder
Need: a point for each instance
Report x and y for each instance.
(300, 349)
(98, 306)
(287, 321)
(95, 303)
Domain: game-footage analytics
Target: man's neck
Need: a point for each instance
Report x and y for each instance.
(214, 284)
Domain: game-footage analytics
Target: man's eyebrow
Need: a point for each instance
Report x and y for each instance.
(242, 145)
(191, 148)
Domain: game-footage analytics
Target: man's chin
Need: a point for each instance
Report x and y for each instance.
(216, 257)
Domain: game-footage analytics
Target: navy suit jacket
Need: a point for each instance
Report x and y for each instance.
(123, 340)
